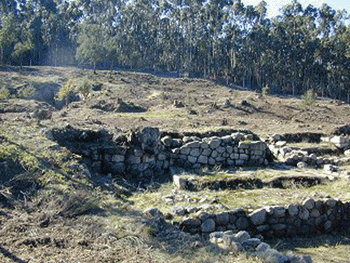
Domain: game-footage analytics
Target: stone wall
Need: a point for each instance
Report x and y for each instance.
(308, 219)
(147, 155)
(230, 150)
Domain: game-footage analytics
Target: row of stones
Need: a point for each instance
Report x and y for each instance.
(293, 156)
(227, 150)
(171, 142)
(310, 218)
(253, 246)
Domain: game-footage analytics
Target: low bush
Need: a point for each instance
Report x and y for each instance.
(309, 98)
(265, 90)
(4, 93)
(82, 87)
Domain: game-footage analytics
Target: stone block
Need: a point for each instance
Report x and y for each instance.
(277, 211)
(222, 219)
(118, 158)
(279, 229)
(251, 243)
(195, 152)
(180, 181)
(229, 149)
(211, 161)
(242, 223)
(194, 144)
(230, 162)
(207, 152)
(242, 236)
(185, 150)
(148, 159)
(331, 202)
(234, 156)
(138, 152)
(258, 217)
(244, 145)
(220, 150)
(309, 204)
(219, 159)
(262, 247)
(192, 159)
(237, 136)
(235, 247)
(214, 154)
(226, 139)
(293, 210)
(214, 142)
(243, 157)
(132, 159)
(204, 145)
(239, 162)
(203, 159)
(340, 141)
(208, 226)
(160, 164)
(190, 223)
(161, 157)
(263, 228)
(218, 234)
(167, 141)
(304, 214)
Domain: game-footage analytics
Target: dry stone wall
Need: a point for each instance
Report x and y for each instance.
(310, 218)
(229, 150)
(147, 155)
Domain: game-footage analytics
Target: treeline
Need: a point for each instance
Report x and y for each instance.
(301, 48)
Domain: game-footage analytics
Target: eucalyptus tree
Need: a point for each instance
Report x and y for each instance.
(7, 36)
(91, 49)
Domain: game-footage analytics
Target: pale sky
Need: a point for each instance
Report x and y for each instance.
(273, 6)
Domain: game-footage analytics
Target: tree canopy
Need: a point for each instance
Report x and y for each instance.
(301, 48)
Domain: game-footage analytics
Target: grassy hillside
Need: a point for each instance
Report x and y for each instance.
(53, 210)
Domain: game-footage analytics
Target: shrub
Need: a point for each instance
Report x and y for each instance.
(4, 93)
(266, 90)
(82, 87)
(26, 92)
(309, 98)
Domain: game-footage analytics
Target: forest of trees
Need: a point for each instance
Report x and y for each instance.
(300, 48)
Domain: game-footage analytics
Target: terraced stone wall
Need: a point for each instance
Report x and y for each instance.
(308, 219)
(147, 155)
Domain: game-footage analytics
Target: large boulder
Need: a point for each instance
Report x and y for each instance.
(148, 139)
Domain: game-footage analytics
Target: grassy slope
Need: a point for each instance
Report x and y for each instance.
(115, 230)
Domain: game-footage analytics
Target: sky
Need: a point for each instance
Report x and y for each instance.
(273, 6)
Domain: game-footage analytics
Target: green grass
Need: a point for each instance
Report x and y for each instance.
(249, 199)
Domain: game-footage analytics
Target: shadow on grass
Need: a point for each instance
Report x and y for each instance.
(303, 244)
(10, 255)
(18, 69)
